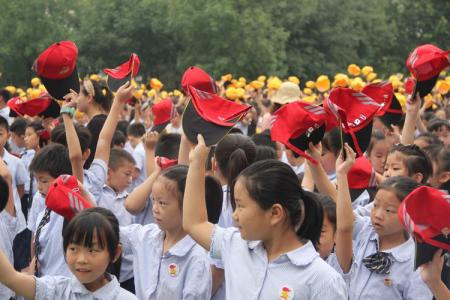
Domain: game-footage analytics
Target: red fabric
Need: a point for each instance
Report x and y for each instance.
(361, 175)
(196, 77)
(58, 61)
(33, 107)
(163, 112)
(427, 61)
(410, 83)
(164, 162)
(383, 94)
(130, 67)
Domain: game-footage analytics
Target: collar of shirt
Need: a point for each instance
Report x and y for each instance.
(107, 292)
(400, 253)
(182, 247)
(301, 256)
(120, 195)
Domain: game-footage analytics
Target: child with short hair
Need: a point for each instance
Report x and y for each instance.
(17, 130)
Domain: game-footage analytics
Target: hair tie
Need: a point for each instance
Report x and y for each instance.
(104, 92)
(89, 87)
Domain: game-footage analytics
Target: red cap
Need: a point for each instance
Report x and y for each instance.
(409, 85)
(356, 111)
(427, 61)
(64, 197)
(57, 68)
(196, 77)
(130, 67)
(163, 111)
(165, 163)
(43, 106)
(297, 124)
(361, 175)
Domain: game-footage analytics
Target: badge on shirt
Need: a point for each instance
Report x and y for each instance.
(173, 270)
(387, 282)
(287, 293)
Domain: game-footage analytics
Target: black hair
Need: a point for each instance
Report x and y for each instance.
(436, 124)
(168, 145)
(275, 107)
(4, 191)
(375, 137)
(416, 161)
(429, 138)
(4, 123)
(401, 186)
(136, 130)
(122, 125)
(270, 182)
(265, 152)
(332, 141)
(19, 125)
(264, 139)
(103, 96)
(117, 157)
(80, 230)
(118, 139)
(5, 94)
(84, 136)
(39, 129)
(329, 209)
(53, 159)
(233, 154)
(443, 160)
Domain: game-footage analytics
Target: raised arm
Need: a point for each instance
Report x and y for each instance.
(431, 275)
(150, 140)
(344, 211)
(183, 153)
(21, 283)
(138, 198)
(412, 113)
(195, 216)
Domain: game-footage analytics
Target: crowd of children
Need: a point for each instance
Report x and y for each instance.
(226, 190)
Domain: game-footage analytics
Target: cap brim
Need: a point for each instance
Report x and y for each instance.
(159, 128)
(362, 136)
(58, 88)
(389, 119)
(302, 142)
(425, 87)
(52, 111)
(424, 254)
(193, 125)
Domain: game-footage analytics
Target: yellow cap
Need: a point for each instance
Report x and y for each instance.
(371, 76)
(42, 88)
(156, 84)
(240, 92)
(357, 84)
(442, 87)
(78, 114)
(240, 84)
(94, 77)
(274, 83)
(242, 79)
(309, 99)
(19, 91)
(151, 93)
(353, 70)
(401, 99)
(396, 83)
(262, 78)
(307, 91)
(11, 89)
(294, 79)
(231, 93)
(341, 80)
(35, 82)
(323, 83)
(227, 77)
(256, 84)
(164, 95)
(34, 94)
(177, 93)
(310, 84)
(138, 94)
(366, 70)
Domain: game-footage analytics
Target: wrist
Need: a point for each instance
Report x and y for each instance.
(70, 111)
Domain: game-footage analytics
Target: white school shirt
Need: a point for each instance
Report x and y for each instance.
(300, 169)
(364, 211)
(69, 288)
(26, 159)
(170, 129)
(19, 177)
(183, 272)
(139, 157)
(8, 229)
(51, 258)
(362, 200)
(114, 202)
(298, 274)
(402, 282)
(4, 112)
(37, 206)
(95, 177)
(226, 216)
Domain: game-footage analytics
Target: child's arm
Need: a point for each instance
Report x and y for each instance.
(21, 283)
(150, 140)
(183, 153)
(344, 211)
(73, 143)
(195, 216)
(307, 182)
(412, 113)
(318, 173)
(431, 275)
(124, 93)
(137, 199)
(6, 174)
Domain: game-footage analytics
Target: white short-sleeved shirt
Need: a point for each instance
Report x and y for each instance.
(139, 157)
(183, 272)
(37, 207)
(26, 159)
(362, 200)
(299, 274)
(4, 112)
(401, 283)
(170, 129)
(363, 211)
(19, 177)
(69, 288)
(95, 177)
(8, 231)
(226, 216)
(51, 258)
(300, 169)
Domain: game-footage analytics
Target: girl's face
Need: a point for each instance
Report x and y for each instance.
(252, 221)
(88, 264)
(328, 161)
(384, 214)
(31, 138)
(82, 101)
(395, 165)
(378, 155)
(326, 238)
(166, 206)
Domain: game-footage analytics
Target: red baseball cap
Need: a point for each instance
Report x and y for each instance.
(43, 106)
(356, 111)
(409, 85)
(165, 163)
(297, 124)
(391, 111)
(163, 111)
(123, 73)
(425, 214)
(64, 197)
(57, 68)
(361, 175)
(196, 77)
(210, 115)
(425, 63)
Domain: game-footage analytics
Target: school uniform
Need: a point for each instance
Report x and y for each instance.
(362, 200)
(363, 211)
(402, 282)
(139, 157)
(298, 274)
(26, 158)
(226, 216)
(146, 215)
(300, 169)
(183, 272)
(37, 207)
(69, 288)
(95, 177)
(8, 230)
(4, 112)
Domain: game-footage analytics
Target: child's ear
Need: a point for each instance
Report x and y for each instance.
(444, 177)
(118, 252)
(277, 214)
(86, 154)
(418, 177)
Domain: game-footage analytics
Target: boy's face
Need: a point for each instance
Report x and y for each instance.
(44, 179)
(134, 140)
(120, 178)
(4, 136)
(18, 140)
